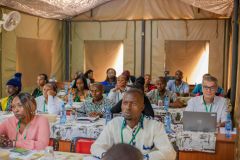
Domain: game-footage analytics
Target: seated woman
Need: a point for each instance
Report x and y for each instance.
(13, 87)
(42, 79)
(25, 129)
(110, 81)
(79, 89)
(49, 102)
(97, 105)
(89, 76)
(116, 94)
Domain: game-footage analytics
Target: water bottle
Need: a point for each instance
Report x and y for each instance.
(167, 123)
(49, 153)
(108, 115)
(228, 126)
(166, 103)
(70, 99)
(63, 116)
(66, 88)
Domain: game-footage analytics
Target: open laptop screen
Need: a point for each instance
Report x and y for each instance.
(199, 121)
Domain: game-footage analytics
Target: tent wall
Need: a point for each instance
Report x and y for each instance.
(123, 31)
(33, 28)
(157, 32)
(155, 9)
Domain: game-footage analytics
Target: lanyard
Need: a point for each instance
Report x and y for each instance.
(177, 88)
(39, 93)
(18, 128)
(134, 135)
(206, 108)
(44, 106)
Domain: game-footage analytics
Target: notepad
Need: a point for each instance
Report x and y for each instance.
(20, 151)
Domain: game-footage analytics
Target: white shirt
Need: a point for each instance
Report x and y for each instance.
(116, 96)
(53, 105)
(151, 139)
(219, 106)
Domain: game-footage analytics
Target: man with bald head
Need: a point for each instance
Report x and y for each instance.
(134, 128)
(97, 105)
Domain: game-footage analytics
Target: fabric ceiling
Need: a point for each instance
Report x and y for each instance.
(122, 9)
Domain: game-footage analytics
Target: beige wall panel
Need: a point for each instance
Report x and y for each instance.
(138, 48)
(128, 56)
(82, 31)
(148, 47)
(189, 30)
(35, 28)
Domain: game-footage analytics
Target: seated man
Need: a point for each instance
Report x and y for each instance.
(97, 105)
(159, 94)
(147, 85)
(42, 79)
(116, 94)
(133, 128)
(49, 102)
(13, 87)
(178, 86)
(139, 84)
(197, 91)
(209, 102)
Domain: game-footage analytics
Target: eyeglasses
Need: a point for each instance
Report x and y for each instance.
(212, 88)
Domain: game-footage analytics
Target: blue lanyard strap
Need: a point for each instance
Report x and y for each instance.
(134, 135)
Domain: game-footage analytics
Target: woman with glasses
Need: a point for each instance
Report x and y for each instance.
(25, 129)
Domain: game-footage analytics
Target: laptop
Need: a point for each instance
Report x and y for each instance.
(199, 121)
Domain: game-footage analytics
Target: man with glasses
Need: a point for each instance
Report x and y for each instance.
(197, 91)
(209, 102)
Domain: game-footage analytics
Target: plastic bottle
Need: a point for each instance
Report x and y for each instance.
(167, 123)
(70, 99)
(63, 116)
(166, 103)
(66, 88)
(108, 115)
(228, 126)
(49, 153)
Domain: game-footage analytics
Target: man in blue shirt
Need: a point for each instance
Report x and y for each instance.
(178, 86)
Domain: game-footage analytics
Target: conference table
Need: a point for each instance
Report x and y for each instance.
(225, 150)
(63, 135)
(39, 155)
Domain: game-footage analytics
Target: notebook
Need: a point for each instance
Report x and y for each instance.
(199, 121)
